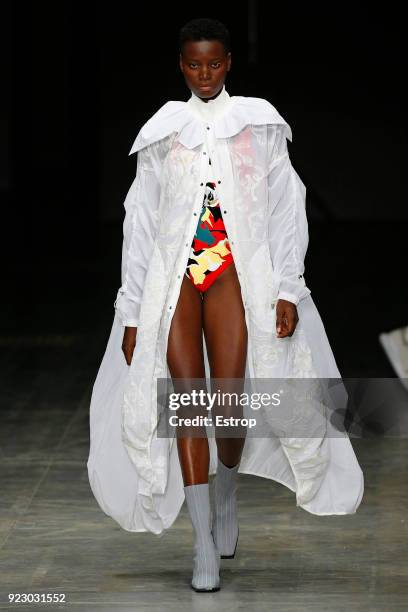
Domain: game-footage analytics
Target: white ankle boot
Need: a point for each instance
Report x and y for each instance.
(206, 576)
(225, 520)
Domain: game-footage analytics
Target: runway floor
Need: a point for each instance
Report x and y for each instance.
(55, 539)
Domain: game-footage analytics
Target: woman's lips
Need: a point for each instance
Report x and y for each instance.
(205, 87)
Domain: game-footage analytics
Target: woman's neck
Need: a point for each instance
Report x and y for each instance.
(213, 98)
(210, 109)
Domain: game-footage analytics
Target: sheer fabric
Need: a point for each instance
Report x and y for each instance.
(134, 474)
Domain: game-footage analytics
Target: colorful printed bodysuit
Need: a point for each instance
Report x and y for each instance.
(210, 251)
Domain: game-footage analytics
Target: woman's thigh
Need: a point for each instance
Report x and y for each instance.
(225, 327)
(226, 339)
(185, 359)
(185, 355)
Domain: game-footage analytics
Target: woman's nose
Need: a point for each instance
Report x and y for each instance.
(204, 74)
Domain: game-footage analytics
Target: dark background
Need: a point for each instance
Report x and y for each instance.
(79, 80)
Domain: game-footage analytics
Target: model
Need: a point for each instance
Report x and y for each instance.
(215, 236)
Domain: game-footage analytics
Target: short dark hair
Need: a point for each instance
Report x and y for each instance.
(205, 29)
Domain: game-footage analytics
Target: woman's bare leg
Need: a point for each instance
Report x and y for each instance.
(185, 359)
(221, 314)
(226, 340)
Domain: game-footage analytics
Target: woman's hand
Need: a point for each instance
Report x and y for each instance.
(129, 343)
(286, 318)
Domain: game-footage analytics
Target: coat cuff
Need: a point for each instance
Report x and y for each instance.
(290, 297)
(130, 323)
(127, 309)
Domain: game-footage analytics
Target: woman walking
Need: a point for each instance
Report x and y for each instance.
(215, 237)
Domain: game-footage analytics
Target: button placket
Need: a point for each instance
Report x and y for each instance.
(194, 216)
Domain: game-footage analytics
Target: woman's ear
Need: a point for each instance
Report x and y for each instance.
(229, 61)
(181, 62)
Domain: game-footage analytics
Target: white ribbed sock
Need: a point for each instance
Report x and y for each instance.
(225, 521)
(206, 557)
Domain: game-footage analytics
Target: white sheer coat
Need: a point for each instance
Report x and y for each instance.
(135, 475)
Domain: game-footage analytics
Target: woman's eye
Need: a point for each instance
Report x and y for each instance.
(217, 65)
(193, 65)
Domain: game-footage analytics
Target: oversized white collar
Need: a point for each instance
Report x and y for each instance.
(211, 110)
(228, 114)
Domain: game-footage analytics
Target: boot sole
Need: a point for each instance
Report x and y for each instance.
(205, 590)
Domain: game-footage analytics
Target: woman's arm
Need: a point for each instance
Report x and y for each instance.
(287, 225)
(139, 233)
(287, 230)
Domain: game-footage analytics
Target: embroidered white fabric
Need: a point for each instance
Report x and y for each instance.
(134, 475)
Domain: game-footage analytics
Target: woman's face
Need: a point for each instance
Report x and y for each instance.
(205, 65)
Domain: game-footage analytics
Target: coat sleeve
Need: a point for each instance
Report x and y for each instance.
(139, 233)
(287, 223)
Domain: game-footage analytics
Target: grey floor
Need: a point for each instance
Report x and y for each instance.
(55, 539)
